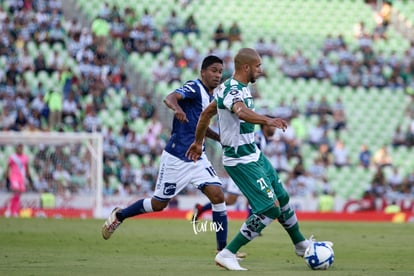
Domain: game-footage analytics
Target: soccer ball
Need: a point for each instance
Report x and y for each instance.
(319, 256)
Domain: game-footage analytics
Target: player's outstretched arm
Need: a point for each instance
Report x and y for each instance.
(171, 101)
(196, 148)
(248, 115)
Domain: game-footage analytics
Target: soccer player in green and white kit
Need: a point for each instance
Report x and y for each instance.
(244, 162)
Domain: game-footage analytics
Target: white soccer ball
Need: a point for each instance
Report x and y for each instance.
(319, 256)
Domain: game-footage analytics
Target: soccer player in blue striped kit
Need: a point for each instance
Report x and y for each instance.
(176, 170)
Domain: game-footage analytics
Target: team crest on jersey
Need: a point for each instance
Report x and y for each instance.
(169, 189)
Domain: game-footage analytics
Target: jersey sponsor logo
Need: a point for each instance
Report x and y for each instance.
(234, 92)
(169, 189)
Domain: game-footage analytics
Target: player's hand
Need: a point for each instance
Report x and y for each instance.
(279, 123)
(194, 152)
(181, 116)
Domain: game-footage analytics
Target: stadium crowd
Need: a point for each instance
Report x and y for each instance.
(38, 45)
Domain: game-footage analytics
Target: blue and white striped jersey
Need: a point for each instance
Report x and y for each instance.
(195, 99)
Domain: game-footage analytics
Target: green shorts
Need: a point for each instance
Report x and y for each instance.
(259, 183)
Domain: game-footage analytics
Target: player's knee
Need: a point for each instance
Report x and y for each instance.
(231, 199)
(215, 194)
(273, 212)
(284, 199)
(158, 206)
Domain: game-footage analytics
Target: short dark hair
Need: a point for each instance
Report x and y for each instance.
(209, 60)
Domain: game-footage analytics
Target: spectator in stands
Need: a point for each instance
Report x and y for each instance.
(338, 116)
(383, 19)
(326, 201)
(219, 34)
(70, 111)
(311, 106)
(23, 90)
(21, 122)
(354, 76)
(261, 47)
(56, 34)
(234, 33)
(35, 121)
(26, 60)
(54, 101)
(191, 55)
(100, 29)
(325, 155)
(160, 72)
(283, 110)
(174, 23)
(147, 20)
(12, 73)
(340, 155)
(118, 28)
(324, 107)
(315, 134)
(364, 157)
(128, 176)
(398, 137)
(111, 150)
(7, 119)
(42, 184)
(382, 158)
(91, 122)
(72, 26)
(395, 179)
(190, 25)
(61, 179)
(360, 30)
(317, 169)
(379, 183)
(40, 63)
(105, 11)
(131, 144)
(280, 162)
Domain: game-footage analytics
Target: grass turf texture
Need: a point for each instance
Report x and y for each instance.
(170, 247)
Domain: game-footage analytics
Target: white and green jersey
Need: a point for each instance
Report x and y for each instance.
(237, 136)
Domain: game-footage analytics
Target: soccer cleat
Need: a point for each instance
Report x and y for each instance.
(111, 223)
(241, 255)
(301, 247)
(228, 260)
(196, 212)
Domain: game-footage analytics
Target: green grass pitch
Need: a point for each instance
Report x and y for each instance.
(170, 247)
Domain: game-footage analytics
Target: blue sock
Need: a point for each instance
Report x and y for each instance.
(137, 208)
(220, 220)
(206, 207)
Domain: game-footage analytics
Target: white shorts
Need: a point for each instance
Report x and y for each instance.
(175, 174)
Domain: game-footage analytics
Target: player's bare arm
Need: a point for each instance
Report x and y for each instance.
(248, 115)
(196, 148)
(171, 101)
